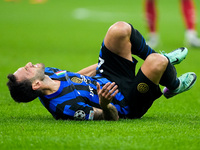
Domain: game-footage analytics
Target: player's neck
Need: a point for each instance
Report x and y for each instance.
(50, 86)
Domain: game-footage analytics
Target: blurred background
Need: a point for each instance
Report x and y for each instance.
(58, 33)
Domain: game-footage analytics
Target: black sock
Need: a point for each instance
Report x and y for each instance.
(139, 46)
(169, 78)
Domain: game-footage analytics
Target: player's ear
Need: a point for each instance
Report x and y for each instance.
(36, 84)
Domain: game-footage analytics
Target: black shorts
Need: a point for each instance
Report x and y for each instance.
(138, 90)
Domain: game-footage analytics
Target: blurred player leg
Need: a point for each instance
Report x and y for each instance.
(151, 18)
(188, 11)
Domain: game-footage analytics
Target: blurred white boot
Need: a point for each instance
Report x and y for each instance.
(192, 38)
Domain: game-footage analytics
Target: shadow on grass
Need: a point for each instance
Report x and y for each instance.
(168, 118)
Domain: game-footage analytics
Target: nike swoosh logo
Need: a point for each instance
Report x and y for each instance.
(177, 60)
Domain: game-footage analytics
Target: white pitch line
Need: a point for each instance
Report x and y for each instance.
(100, 16)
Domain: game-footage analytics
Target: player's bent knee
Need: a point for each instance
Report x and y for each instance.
(157, 62)
(120, 28)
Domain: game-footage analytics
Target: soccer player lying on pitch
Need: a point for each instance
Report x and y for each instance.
(109, 90)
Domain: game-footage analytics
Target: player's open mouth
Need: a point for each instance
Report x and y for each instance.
(36, 65)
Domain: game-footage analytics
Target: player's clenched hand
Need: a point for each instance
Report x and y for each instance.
(107, 93)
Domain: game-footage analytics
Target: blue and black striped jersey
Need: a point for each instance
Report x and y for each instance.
(77, 93)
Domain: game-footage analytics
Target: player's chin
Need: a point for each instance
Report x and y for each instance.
(41, 65)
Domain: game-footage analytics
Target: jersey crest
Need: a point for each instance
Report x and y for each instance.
(76, 80)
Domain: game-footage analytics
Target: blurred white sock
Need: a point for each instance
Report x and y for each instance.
(153, 39)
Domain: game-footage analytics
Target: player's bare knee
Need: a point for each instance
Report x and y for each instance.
(158, 62)
(120, 29)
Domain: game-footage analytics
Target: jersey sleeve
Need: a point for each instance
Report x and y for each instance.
(78, 110)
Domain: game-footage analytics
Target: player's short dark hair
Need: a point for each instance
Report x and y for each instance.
(21, 91)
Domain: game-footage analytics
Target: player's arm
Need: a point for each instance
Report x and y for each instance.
(89, 71)
(106, 95)
(107, 114)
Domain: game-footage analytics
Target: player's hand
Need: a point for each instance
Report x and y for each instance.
(107, 93)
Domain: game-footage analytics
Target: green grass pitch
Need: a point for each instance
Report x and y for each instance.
(58, 33)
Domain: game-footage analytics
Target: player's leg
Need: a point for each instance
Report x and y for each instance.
(138, 44)
(151, 19)
(123, 40)
(188, 11)
(159, 70)
(141, 49)
(117, 40)
(146, 83)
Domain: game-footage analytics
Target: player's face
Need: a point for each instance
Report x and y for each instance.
(30, 72)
